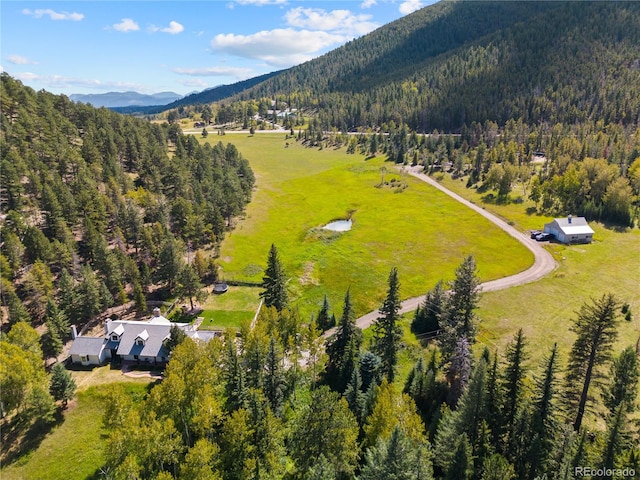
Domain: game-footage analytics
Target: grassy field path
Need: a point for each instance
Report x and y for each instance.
(543, 261)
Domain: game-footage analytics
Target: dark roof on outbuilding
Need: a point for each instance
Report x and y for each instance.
(85, 346)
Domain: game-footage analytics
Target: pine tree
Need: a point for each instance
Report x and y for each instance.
(427, 315)
(370, 366)
(467, 419)
(189, 286)
(274, 379)
(62, 386)
(397, 458)
(496, 467)
(623, 386)
(513, 380)
(387, 332)
(325, 426)
(495, 400)
(596, 330)
(355, 397)
(461, 466)
(458, 318)
(324, 321)
(347, 333)
(274, 282)
(616, 438)
(176, 336)
(544, 423)
(459, 370)
(234, 375)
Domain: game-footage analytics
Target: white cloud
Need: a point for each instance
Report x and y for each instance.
(219, 71)
(59, 82)
(126, 25)
(174, 28)
(368, 3)
(410, 6)
(337, 21)
(20, 60)
(279, 47)
(53, 15)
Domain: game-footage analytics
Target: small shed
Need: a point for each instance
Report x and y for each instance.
(570, 230)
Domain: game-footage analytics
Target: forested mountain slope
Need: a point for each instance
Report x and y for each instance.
(454, 63)
(97, 207)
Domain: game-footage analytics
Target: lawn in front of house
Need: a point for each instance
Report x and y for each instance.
(403, 223)
(230, 309)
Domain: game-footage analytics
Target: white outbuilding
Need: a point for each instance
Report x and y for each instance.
(570, 230)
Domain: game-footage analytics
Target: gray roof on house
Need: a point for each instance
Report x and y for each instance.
(153, 343)
(204, 335)
(85, 346)
(573, 225)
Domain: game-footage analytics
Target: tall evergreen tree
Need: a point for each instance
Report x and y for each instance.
(495, 401)
(461, 465)
(544, 423)
(459, 369)
(468, 419)
(274, 282)
(397, 458)
(387, 333)
(426, 318)
(623, 386)
(596, 330)
(458, 318)
(62, 386)
(324, 321)
(513, 379)
(234, 375)
(189, 286)
(355, 396)
(274, 379)
(347, 333)
(325, 426)
(616, 438)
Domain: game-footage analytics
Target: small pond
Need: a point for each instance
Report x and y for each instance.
(339, 226)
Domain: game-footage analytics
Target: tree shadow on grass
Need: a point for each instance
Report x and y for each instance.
(21, 437)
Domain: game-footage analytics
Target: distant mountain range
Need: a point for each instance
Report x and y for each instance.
(125, 99)
(209, 95)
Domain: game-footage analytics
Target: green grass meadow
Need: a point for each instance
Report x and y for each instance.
(421, 231)
(230, 309)
(74, 449)
(545, 309)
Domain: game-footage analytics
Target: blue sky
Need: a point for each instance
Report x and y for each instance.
(181, 46)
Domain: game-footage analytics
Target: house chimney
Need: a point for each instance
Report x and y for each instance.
(74, 332)
(569, 218)
(156, 312)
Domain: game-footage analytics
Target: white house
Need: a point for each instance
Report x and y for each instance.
(570, 230)
(138, 341)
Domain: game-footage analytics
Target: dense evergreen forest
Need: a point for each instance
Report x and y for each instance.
(457, 62)
(101, 209)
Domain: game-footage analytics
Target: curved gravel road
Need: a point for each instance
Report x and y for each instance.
(543, 261)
